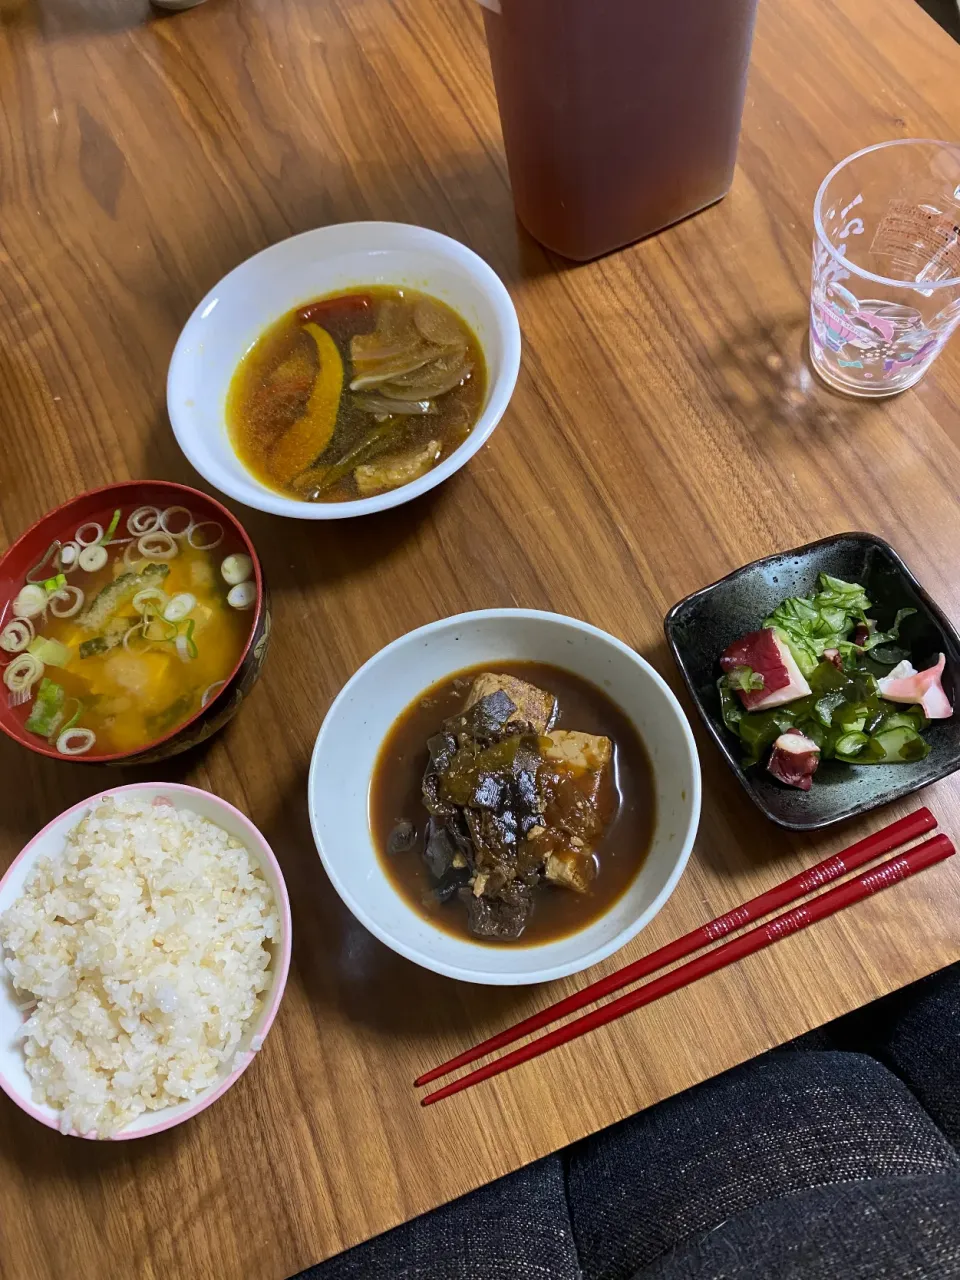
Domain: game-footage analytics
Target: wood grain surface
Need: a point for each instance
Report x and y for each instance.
(665, 429)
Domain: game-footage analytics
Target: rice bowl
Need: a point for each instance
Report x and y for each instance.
(146, 938)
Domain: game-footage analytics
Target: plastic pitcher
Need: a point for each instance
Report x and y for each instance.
(619, 116)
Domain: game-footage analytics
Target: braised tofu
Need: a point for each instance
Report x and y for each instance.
(534, 706)
(569, 871)
(396, 469)
(586, 752)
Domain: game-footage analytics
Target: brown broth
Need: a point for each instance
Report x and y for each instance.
(272, 386)
(621, 851)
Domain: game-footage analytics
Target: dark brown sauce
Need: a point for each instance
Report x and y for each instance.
(395, 796)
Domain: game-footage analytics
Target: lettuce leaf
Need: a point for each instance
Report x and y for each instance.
(827, 620)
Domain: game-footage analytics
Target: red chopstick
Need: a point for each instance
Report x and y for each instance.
(832, 868)
(836, 899)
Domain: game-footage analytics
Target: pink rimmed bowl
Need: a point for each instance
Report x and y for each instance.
(14, 1080)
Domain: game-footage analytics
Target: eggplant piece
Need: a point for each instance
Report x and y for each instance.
(403, 837)
(454, 880)
(534, 706)
(459, 833)
(433, 800)
(440, 850)
(503, 918)
(442, 748)
(467, 779)
(494, 836)
(484, 720)
(488, 792)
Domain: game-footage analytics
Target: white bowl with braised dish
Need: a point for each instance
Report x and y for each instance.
(345, 370)
(506, 796)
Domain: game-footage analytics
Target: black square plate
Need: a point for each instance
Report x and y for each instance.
(701, 627)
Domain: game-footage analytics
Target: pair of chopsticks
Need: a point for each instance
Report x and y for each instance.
(837, 899)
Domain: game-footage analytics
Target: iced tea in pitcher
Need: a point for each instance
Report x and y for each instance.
(619, 116)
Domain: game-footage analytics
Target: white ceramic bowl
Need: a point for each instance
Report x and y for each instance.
(360, 718)
(237, 310)
(14, 1080)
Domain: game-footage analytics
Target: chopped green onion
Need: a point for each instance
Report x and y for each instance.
(166, 518)
(143, 520)
(92, 559)
(150, 598)
(47, 711)
(209, 540)
(111, 527)
(16, 635)
(22, 673)
(31, 601)
(50, 652)
(51, 560)
(185, 644)
(97, 534)
(179, 606)
(75, 717)
(157, 546)
(211, 692)
(74, 742)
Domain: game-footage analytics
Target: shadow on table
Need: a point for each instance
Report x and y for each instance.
(765, 377)
(60, 18)
(342, 966)
(300, 554)
(37, 789)
(34, 1151)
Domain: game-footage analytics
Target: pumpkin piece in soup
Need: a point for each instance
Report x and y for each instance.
(308, 437)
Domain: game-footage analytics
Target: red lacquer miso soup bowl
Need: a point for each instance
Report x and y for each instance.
(134, 620)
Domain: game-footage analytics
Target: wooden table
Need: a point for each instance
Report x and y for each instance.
(665, 429)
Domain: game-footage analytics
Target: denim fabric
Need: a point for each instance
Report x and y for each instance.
(886, 1229)
(514, 1229)
(922, 1045)
(775, 1127)
(807, 1164)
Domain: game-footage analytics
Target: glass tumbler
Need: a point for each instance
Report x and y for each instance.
(886, 265)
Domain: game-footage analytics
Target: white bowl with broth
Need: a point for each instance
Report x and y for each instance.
(363, 714)
(342, 258)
